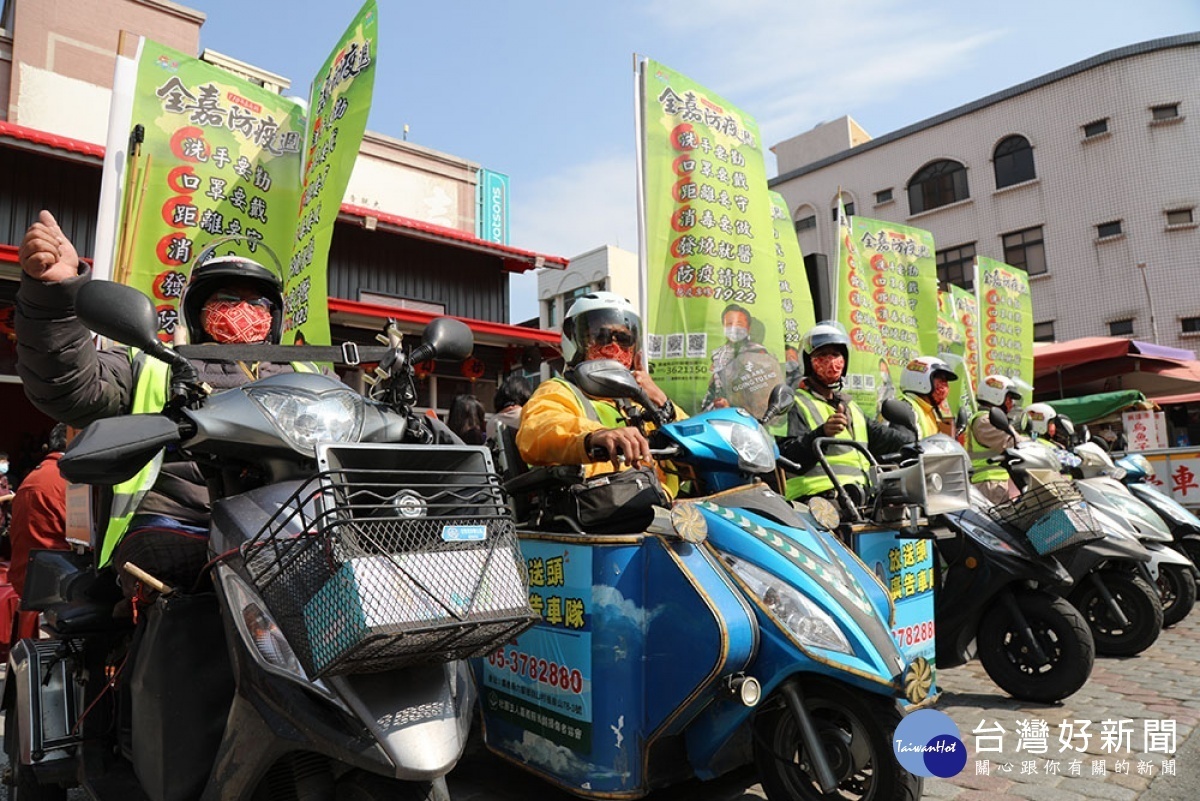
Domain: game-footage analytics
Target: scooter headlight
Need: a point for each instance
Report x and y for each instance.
(753, 444)
(305, 418)
(810, 624)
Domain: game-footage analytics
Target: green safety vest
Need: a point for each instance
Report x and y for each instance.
(605, 414)
(151, 381)
(981, 470)
(848, 464)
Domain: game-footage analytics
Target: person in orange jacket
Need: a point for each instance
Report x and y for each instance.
(556, 428)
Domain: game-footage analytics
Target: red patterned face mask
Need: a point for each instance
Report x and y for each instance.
(239, 322)
(941, 391)
(828, 368)
(612, 351)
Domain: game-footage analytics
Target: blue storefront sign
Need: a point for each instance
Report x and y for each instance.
(491, 222)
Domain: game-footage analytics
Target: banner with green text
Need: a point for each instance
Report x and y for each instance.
(218, 164)
(952, 347)
(714, 315)
(1005, 320)
(794, 294)
(966, 308)
(868, 375)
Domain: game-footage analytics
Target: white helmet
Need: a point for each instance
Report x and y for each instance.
(1038, 417)
(995, 388)
(917, 375)
(592, 313)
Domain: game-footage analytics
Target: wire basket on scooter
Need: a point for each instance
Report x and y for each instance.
(391, 556)
(1053, 516)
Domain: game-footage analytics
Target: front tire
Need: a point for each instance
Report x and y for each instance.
(1063, 635)
(1138, 601)
(856, 731)
(1177, 591)
(359, 785)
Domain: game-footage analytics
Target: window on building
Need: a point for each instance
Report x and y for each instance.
(1167, 111)
(849, 209)
(6, 18)
(1190, 325)
(1013, 161)
(552, 313)
(937, 184)
(1105, 230)
(1095, 128)
(883, 196)
(1043, 332)
(1121, 328)
(957, 266)
(1025, 249)
(1180, 217)
(806, 223)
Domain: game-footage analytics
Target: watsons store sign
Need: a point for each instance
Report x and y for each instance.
(491, 194)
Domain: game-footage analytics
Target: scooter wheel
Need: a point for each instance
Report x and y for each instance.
(1177, 590)
(856, 731)
(1063, 636)
(359, 785)
(1139, 603)
(24, 784)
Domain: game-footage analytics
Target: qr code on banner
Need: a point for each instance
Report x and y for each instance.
(697, 345)
(674, 346)
(854, 380)
(654, 345)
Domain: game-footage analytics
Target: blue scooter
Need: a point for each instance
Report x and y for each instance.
(733, 629)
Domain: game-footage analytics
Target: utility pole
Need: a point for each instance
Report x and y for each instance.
(1141, 265)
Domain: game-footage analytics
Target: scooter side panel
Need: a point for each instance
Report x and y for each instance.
(566, 699)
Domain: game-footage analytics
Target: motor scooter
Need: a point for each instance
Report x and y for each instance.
(1183, 522)
(1113, 588)
(999, 599)
(1174, 574)
(734, 629)
(357, 555)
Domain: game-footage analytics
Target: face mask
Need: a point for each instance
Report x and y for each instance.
(735, 333)
(828, 369)
(941, 391)
(3, 468)
(236, 321)
(612, 351)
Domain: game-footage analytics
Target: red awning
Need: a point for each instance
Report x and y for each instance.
(1050, 357)
(368, 315)
(512, 259)
(1187, 397)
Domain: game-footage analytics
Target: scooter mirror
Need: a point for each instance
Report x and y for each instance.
(606, 378)
(780, 402)
(1000, 421)
(900, 414)
(120, 313)
(444, 338)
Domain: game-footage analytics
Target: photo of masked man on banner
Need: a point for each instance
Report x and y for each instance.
(714, 314)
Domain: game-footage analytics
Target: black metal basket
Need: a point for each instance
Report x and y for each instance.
(1052, 516)
(390, 556)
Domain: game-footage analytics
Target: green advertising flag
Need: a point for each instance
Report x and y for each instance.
(952, 347)
(902, 276)
(966, 309)
(1006, 320)
(339, 101)
(709, 248)
(868, 374)
(219, 163)
(795, 297)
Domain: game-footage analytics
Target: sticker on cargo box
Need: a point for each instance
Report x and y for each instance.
(464, 533)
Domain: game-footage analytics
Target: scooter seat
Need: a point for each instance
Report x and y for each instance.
(77, 618)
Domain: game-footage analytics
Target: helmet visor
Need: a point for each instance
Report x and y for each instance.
(603, 326)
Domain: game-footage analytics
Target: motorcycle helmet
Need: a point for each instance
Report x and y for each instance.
(917, 375)
(211, 272)
(592, 313)
(827, 332)
(1038, 417)
(994, 389)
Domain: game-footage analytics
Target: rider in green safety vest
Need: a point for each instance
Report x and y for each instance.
(925, 384)
(822, 410)
(985, 441)
(227, 299)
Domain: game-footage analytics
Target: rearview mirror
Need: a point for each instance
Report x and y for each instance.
(119, 312)
(1000, 421)
(606, 378)
(780, 402)
(900, 414)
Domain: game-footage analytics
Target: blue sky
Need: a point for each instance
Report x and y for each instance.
(544, 91)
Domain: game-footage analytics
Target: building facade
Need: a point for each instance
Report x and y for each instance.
(1088, 178)
(404, 246)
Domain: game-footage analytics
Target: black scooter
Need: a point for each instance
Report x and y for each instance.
(997, 598)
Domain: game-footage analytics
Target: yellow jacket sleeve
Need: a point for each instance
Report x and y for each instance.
(553, 427)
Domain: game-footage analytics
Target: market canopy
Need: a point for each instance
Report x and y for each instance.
(1089, 408)
(1103, 364)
